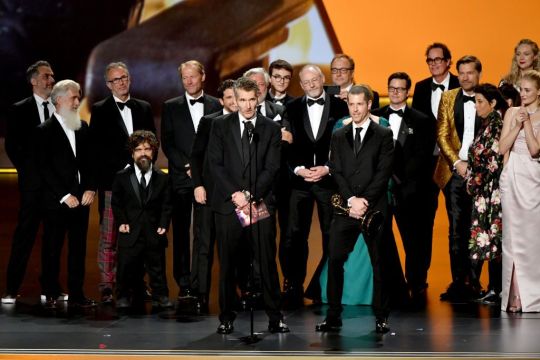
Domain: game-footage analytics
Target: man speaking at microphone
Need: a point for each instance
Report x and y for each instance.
(244, 157)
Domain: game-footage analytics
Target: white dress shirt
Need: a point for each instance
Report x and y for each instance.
(469, 114)
(196, 110)
(437, 93)
(41, 109)
(395, 121)
(147, 175)
(70, 134)
(126, 115)
(315, 112)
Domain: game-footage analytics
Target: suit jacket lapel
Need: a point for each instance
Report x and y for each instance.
(34, 111)
(349, 137)
(367, 136)
(459, 115)
(135, 185)
(234, 128)
(324, 118)
(404, 128)
(115, 112)
(63, 137)
(185, 114)
(307, 123)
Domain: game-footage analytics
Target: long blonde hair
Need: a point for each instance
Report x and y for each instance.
(514, 76)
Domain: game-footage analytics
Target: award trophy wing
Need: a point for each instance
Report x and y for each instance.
(372, 221)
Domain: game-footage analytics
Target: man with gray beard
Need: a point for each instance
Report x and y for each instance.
(62, 152)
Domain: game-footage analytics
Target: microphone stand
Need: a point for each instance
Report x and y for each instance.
(252, 337)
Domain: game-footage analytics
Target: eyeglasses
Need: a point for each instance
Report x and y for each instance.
(437, 60)
(340, 70)
(396, 89)
(118, 80)
(285, 78)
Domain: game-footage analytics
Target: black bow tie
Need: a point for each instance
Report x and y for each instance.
(319, 101)
(435, 86)
(397, 112)
(121, 105)
(200, 99)
(468, 98)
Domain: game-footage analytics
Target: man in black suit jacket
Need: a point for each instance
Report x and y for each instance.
(24, 117)
(342, 70)
(203, 185)
(414, 139)
(361, 158)
(63, 155)
(312, 118)
(179, 122)
(244, 154)
(113, 120)
(142, 209)
(426, 99)
(281, 73)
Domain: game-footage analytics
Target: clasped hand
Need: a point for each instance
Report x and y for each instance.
(358, 207)
(314, 173)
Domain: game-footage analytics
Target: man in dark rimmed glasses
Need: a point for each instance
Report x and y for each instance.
(113, 120)
(342, 69)
(281, 73)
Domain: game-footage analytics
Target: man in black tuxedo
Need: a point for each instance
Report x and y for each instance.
(142, 208)
(113, 120)
(414, 139)
(361, 156)
(244, 154)
(179, 122)
(24, 117)
(426, 98)
(312, 118)
(203, 185)
(281, 73)
(63, 155)
(342, 70)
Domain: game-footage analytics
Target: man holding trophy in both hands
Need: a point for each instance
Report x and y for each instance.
(361, 155)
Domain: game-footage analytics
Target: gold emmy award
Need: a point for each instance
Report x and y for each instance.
(372, 221)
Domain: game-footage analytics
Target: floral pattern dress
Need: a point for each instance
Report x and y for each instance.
(485, 166)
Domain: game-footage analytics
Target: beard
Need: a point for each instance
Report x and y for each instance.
(71, 118)
(144, 163)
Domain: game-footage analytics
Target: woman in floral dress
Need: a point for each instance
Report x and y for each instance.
(485, 166)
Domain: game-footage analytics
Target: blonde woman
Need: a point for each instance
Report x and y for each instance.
(525, 58)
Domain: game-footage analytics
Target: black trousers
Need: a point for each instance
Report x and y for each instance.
(294, 255)
(343, 235)
(58, 223)
(133, 262)
(181, 222)
(204, 235)
(260, 238)
(408, 212)
(459, 208)
(24, 237)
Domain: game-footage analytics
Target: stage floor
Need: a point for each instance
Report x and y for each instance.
(441, 330)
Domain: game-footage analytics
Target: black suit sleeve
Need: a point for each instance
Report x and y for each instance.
(14, 147)
(336, 165)
(118, 200)
(174, 156)
(166, 207)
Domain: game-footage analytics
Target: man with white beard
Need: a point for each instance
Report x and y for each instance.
(63, 158)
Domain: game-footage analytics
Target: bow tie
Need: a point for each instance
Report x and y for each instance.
(121, 105)
(397, 112)
(468, 98)
(200, 99)
(435, 86)
(319, 101)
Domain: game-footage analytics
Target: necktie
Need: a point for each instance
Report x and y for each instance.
(357, 141)
(468, 98)
(200, 99)
(45, 110)
(143, 186)
(319, 101)
(435, 86)
(248, 128)
(397, 112)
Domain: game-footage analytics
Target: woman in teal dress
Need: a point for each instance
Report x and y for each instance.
(358, 272)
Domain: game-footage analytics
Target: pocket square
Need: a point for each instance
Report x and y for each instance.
(411, 131)
(277, 117)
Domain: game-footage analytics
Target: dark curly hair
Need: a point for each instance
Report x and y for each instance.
(143, 136)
